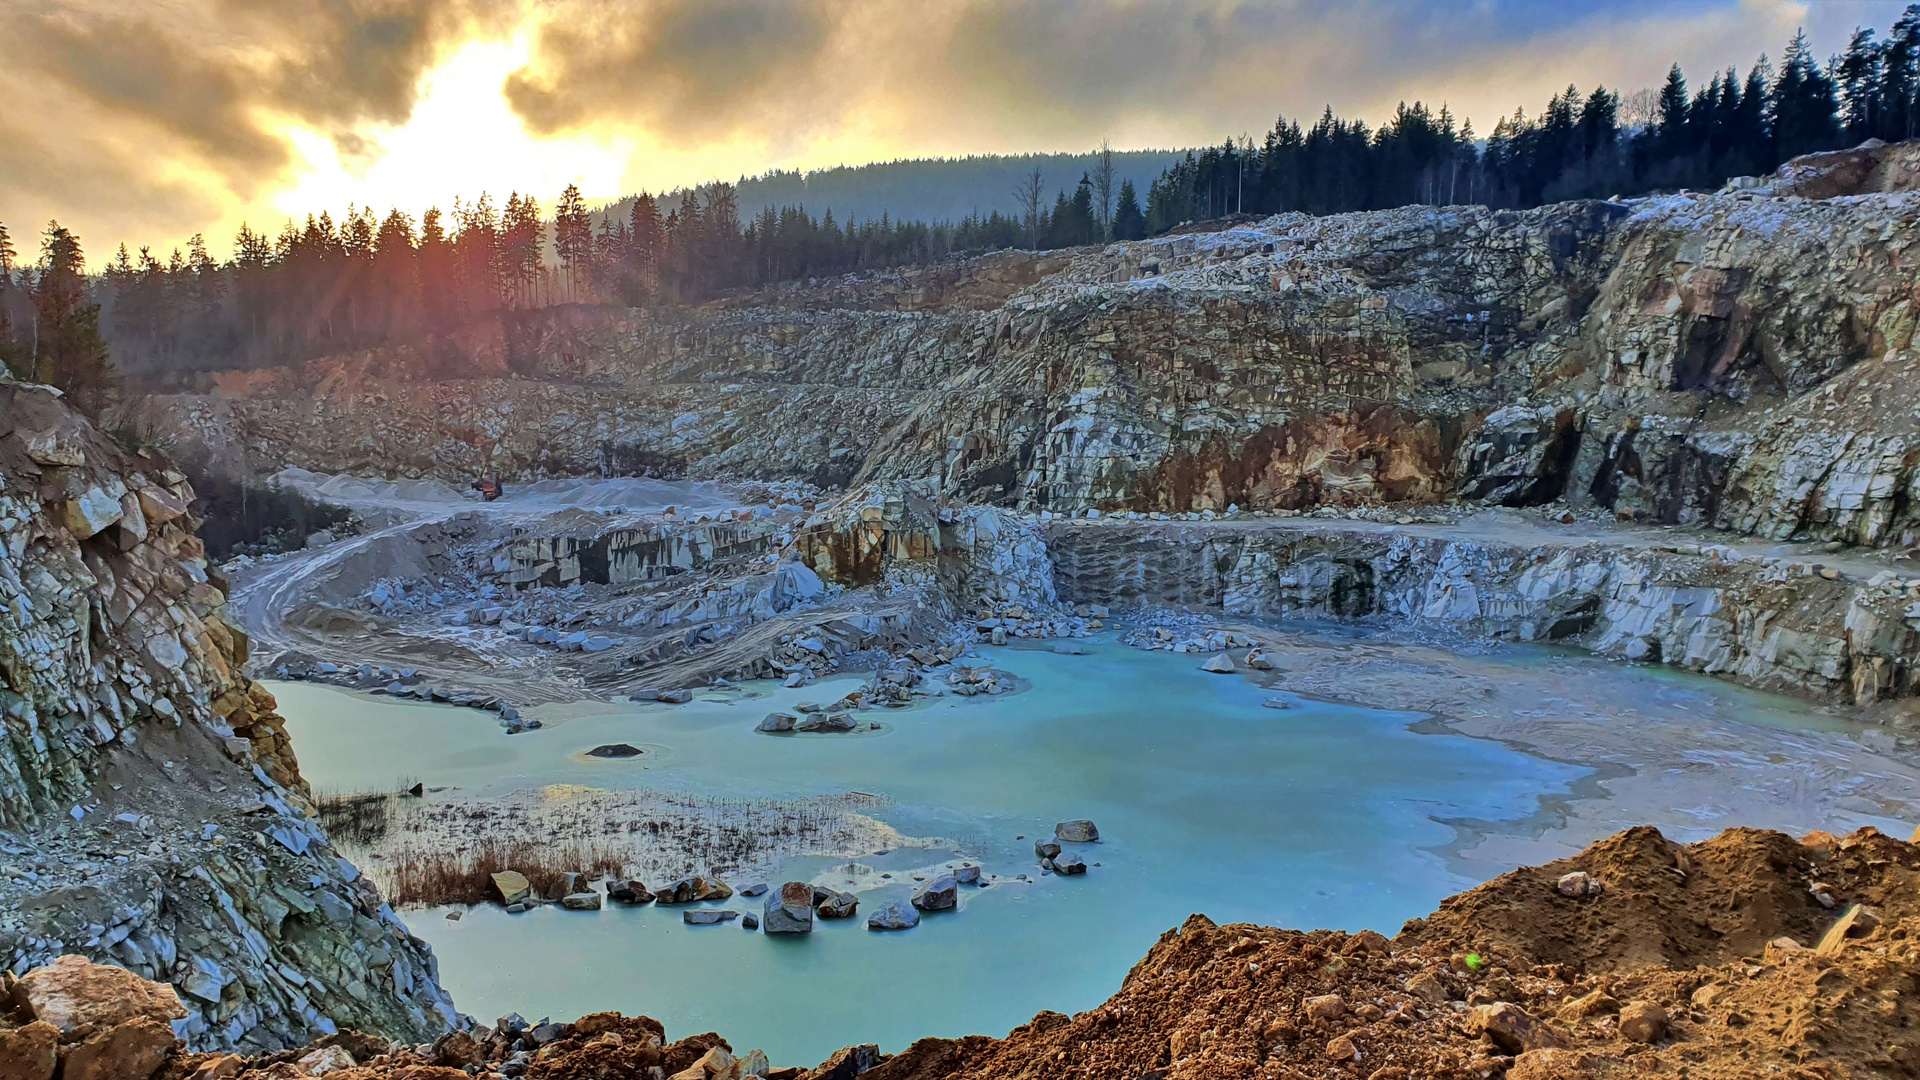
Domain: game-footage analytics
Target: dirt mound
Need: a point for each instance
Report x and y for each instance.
(1665, 903)
(1639, 956)
(1666, 970)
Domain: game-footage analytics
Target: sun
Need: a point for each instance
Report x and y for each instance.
(462, 138)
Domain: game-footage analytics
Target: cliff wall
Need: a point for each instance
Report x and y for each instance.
(152, 813)
(1741, 360)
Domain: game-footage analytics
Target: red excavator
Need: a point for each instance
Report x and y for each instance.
(489, 487)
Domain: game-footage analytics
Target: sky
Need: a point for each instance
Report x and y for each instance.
(145, 121)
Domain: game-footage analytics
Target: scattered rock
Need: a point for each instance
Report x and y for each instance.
(707, 916)
(1341, 1048)
(1643, 1022)
(938, 894)
(512, 887)
(1550, 1064)
(750, 922)
(1277, 703)
(632, 891)
(778, 722)
(1325, 1008)
(1045, 849)
(1427, 986)
(615, 750)
(1079, 831)
(847, 1063)
(838, 905)
(1069, 648)
(581, 901)
(1069, 862)
(754, 889)
(1219, 665)
(1512, 1028)
(967, 875)
(789, 910)
(1579, 884)
(1857, 921)
(894, 915)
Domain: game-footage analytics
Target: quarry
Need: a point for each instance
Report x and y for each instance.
(869, 672)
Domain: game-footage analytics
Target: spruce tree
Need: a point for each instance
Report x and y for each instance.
(1128, 222)
(68, 350)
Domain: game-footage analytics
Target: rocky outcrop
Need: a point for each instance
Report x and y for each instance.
(1789, 624)
(1737, 360)
(155, 816)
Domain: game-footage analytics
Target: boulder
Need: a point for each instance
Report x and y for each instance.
(563, 886)
(847, 1063)
(713, 1064)
(91, 513)
(938, 894)
(1277, 703)
(1069, 862)
(674, 697)
(1512, 1028)
(29, 1052)
(1325, 1008)
(133, 1050)
(1579, 885)
(894, 915)
(1642, 1022)
(615, 750)
(967, 875)
(755, 889)
(789, 910)
(836, 723)
(1258, 661)
(73, 993)
(1080, 831)
(1428, 987)
(512, 886)
(581, 901)
(1221, 664)
(327, 1059)
(1045, 849)
(1069, 648)
(749, 921)
(778, 722)
(690, 890)
(632, 891)
(707, 916)
(838, 905)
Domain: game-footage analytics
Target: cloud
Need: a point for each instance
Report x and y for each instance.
(171, 116)
(177, 106)
(688, 69)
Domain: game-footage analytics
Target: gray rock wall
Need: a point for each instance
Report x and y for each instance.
(1770, 623)
(151, 812)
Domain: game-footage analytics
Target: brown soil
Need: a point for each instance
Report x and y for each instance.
(1510, 978)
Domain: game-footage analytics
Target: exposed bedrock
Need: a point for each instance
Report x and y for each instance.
(152, 814)
(1742, 360)
(1775, 624)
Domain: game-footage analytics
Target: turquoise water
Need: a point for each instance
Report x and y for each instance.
(1319, 815)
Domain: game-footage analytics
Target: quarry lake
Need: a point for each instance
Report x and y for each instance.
(1316, 815)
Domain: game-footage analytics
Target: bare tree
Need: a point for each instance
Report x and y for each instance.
(1103, 189)
(1640, 110)
(1026, 196)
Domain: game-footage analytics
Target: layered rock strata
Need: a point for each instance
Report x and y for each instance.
(1742, 360)
(1791, 624)
(154, 813)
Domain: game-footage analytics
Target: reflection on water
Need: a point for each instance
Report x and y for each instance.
(1318, 815)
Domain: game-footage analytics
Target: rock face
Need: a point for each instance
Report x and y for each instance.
(1764, 621)
(789, 910)
(198, 863)
(1741, 359)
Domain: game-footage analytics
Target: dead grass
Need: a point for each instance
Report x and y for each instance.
(431, 852)
(430, 878)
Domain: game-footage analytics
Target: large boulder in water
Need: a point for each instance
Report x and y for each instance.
(840, 905)
(894, 916)
(1078, 831)
(1069, 862)
(940, 894)
(789, 910)
(777, 722)
(1219, 665)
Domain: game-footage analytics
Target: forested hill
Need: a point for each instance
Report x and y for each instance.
(928, 189)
